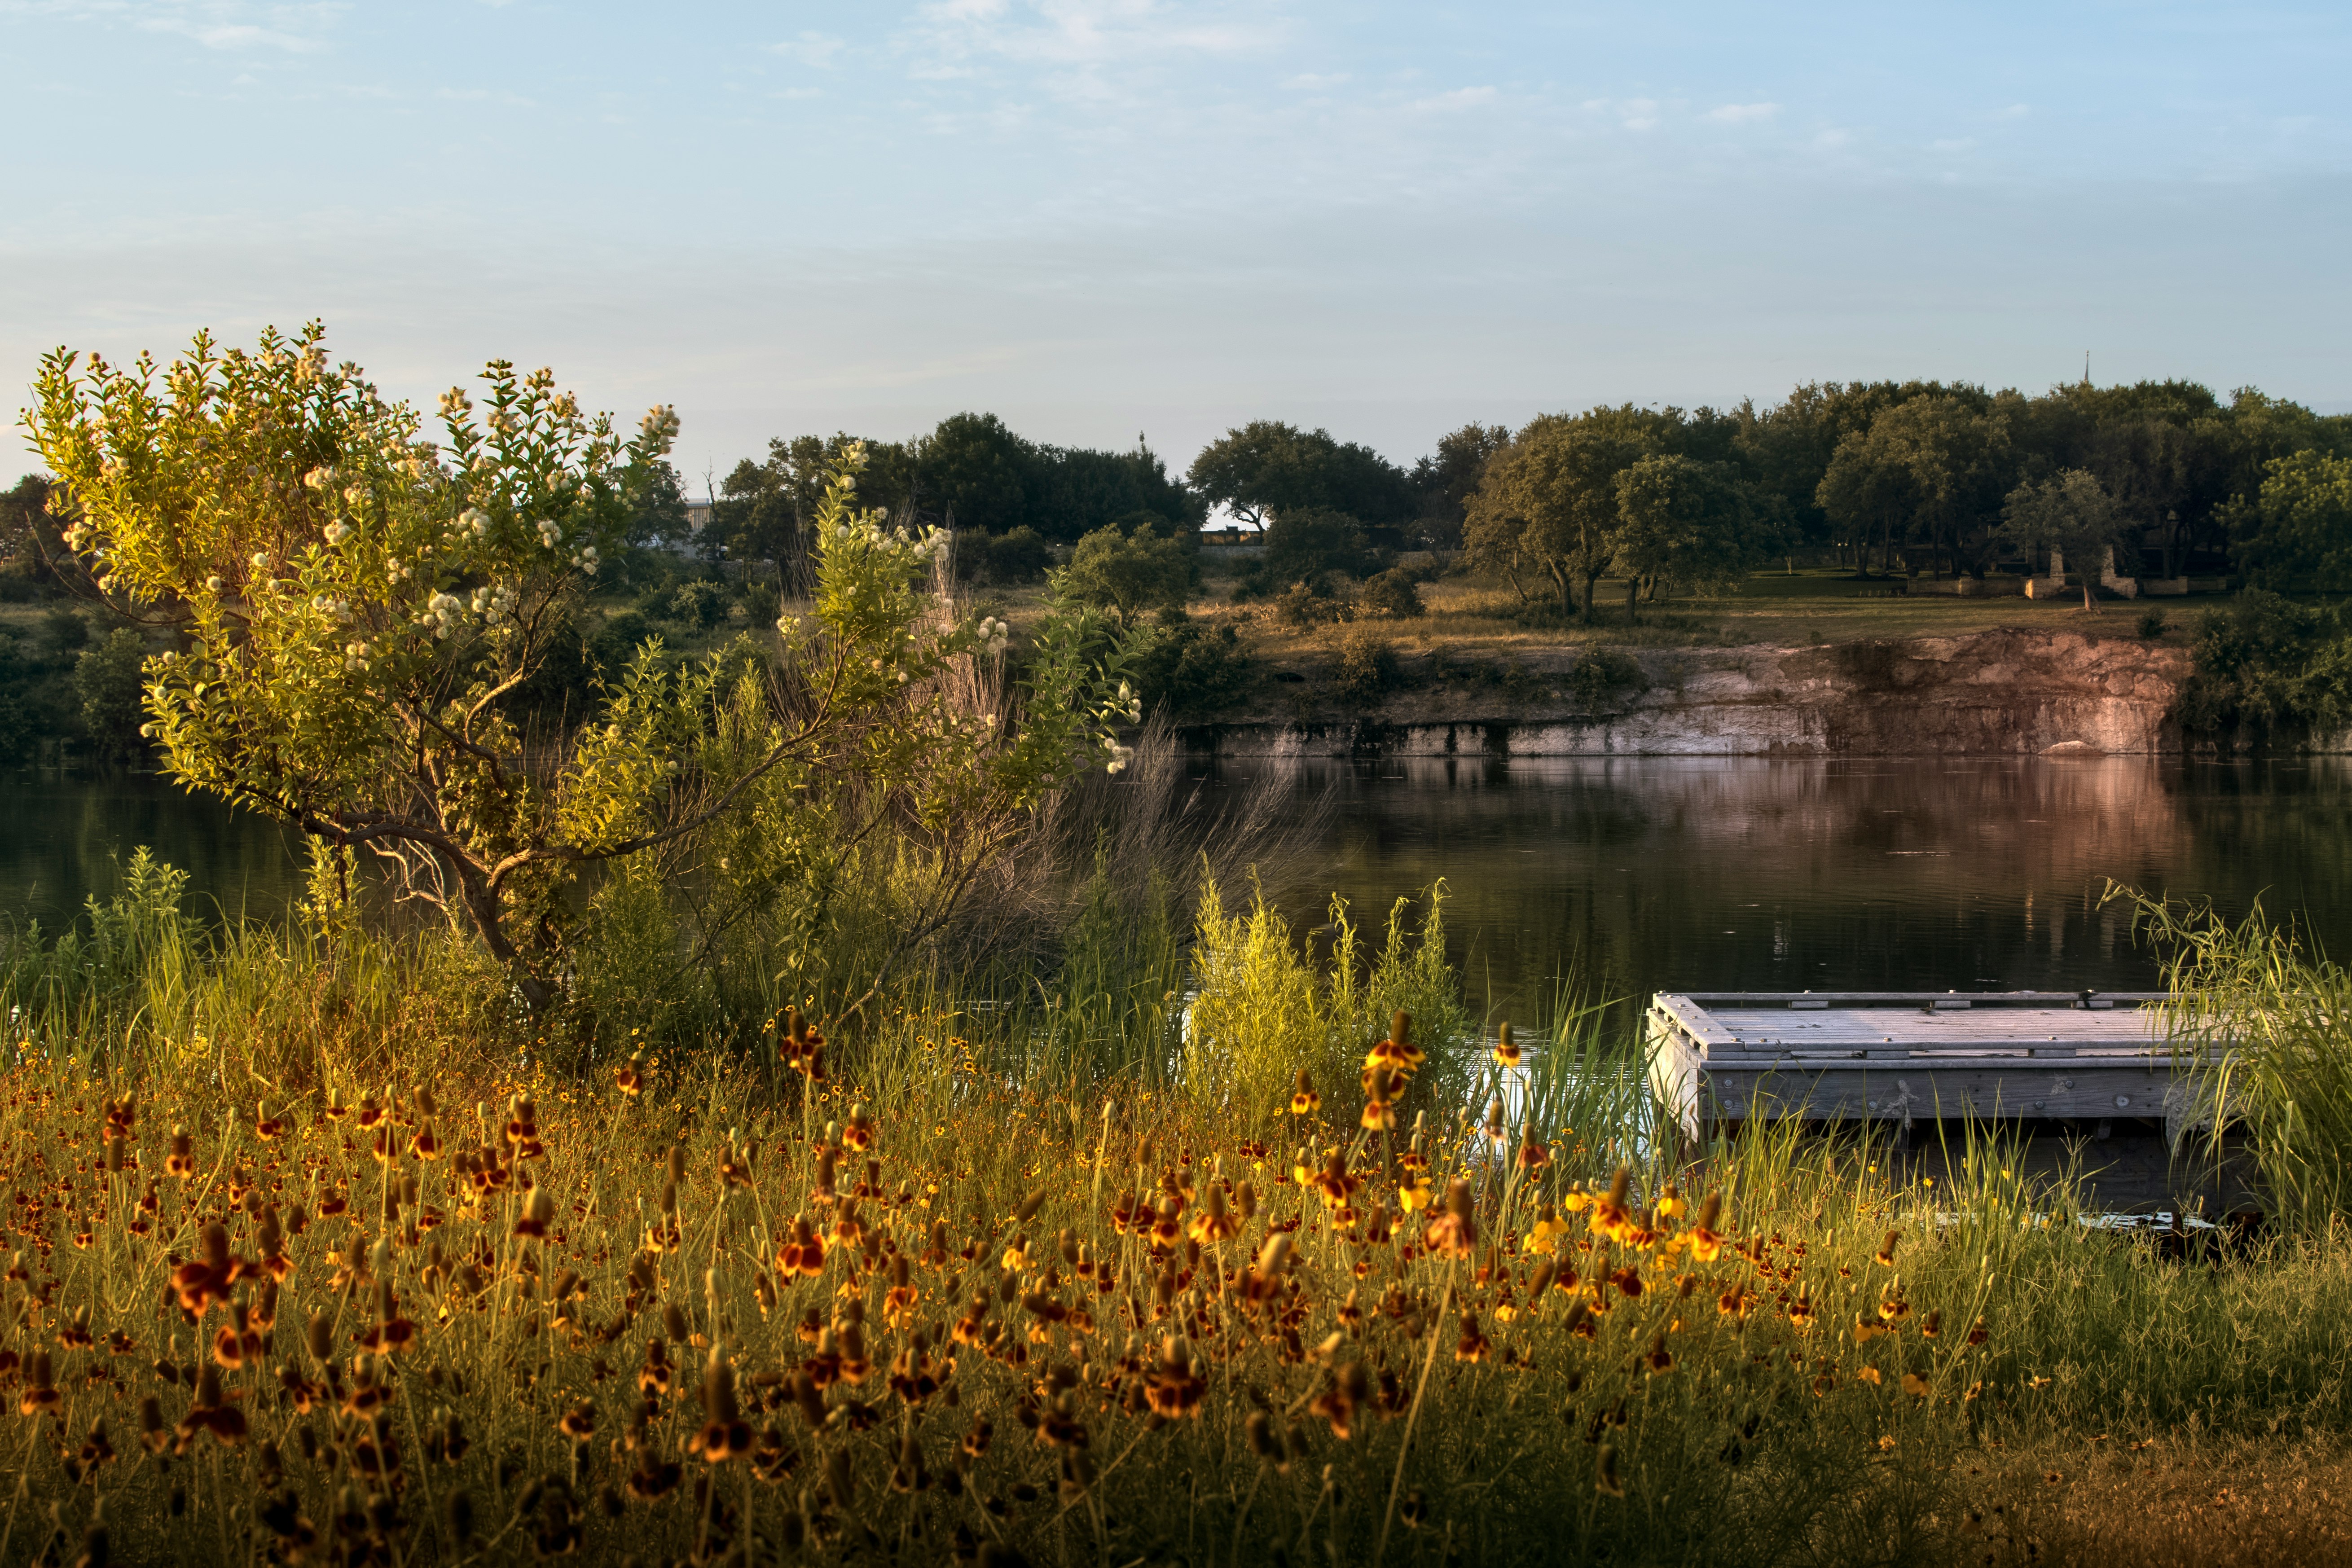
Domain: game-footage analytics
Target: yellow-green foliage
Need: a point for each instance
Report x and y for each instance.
(1263, 1010)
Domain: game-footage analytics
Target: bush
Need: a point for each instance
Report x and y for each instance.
(1367, 667)
(1392, 594)
(1602, 676)
(2268, 665)
(699, 603)
(761, 605)
(1314, 602)
(108, 680)
(616, 642)
(66, 627)
(1193, 671)
(2152, 623)
(1017, 555)
(20, 727)
(1129, 573)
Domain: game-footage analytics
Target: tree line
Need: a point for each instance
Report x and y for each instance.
(1885, 478)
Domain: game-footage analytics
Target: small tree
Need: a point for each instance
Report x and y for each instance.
(358, 608)
(2069, 512)
(1131, 574)
(1680, 522)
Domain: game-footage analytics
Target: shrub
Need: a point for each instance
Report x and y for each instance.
(2152, 623)
(2269, 665)
(108, 684)
(1367, 667)
(1017, 555)
(1194, 671)
(1313, 602)
(1392, 594)
(66, 627)
(761, 605)
(1129, 573)
(698, 602)
(20, 727)
(1602, 676)
(1262, 1013)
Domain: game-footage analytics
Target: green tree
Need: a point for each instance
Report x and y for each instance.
(2070, 512)
(1547, 502)
(1931, 470)
(1308, 543)
(1681, 520)
(2300, 532)
(1260, 469)
(1129, 573)
(360, 609)
(105, 682)
(1444, 481)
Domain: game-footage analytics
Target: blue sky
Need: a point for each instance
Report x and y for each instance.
(1101, 216)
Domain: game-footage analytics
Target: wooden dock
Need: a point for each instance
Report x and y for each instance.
(2088, 1078)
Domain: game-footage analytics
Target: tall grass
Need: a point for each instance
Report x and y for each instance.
(2265, 1022)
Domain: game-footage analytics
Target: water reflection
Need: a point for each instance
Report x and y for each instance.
(1643, 873)
(64, 832)
(1729, 873)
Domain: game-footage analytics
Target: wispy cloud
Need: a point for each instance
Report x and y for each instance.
(1460, 99)
(226, 25)
(1742, 114)
(1091, 31)
(1632, 113)
(811, 49)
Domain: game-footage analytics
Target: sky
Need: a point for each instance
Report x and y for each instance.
(1101, 218)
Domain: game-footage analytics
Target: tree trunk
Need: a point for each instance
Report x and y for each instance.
(1592, 587)
(482, 903)
(1633, 593)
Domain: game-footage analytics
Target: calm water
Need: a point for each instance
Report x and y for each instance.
(1646, 874)
(1641, 874)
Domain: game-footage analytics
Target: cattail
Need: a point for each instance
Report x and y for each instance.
(676, 1168)
(1495, 1119)
(673, 1322)
(1619, 1185)
(840, 1478)
(320, 1335)
(1606, 1480)
(458, 1506)
(1885, 1253)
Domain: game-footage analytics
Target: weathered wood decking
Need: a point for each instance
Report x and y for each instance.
(2068, 1073)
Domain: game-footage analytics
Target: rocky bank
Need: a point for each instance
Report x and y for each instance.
(2010, 692)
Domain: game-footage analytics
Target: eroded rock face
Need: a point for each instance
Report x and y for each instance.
(1996, 693)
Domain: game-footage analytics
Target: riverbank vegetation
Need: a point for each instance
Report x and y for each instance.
(842, 1097)
(332, 1251)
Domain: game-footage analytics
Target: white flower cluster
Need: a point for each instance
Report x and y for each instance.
(338, 531)
(1131, 702)
(356, 656)
(1119, 756)
(455, 402)
(328, 604)
(993, 635)
(319, 477)
(443, 613)
(494, 603)
(550, 535)
(933, 548)
(660, 424)
(79, 536)
(474, 521)
(587, 559)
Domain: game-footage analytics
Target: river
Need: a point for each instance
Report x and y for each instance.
(1633, 874)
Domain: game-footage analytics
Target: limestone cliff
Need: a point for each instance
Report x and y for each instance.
(2007, 691)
